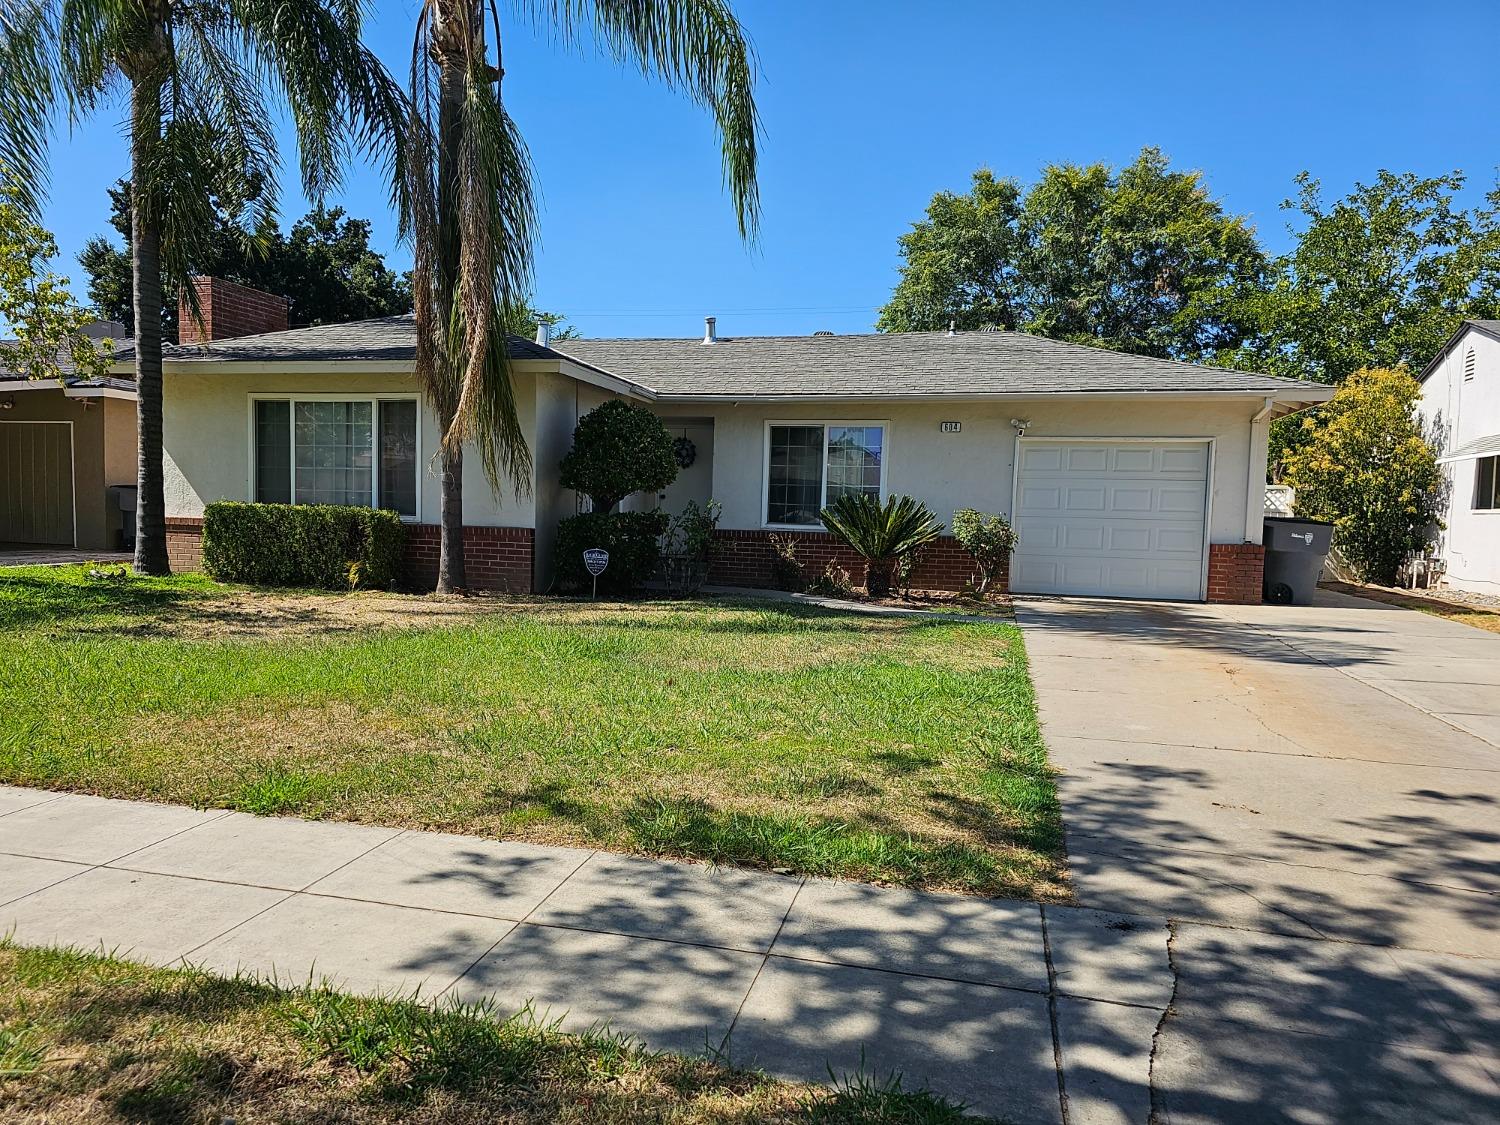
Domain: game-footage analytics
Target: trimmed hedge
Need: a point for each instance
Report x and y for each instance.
(631, 538)
(322, 545)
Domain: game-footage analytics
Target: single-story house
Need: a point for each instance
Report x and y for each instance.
(1460, 412)
(1125, 475)
(64, 444)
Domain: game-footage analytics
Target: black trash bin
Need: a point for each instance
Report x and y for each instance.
(1295, 550)
(124, 503)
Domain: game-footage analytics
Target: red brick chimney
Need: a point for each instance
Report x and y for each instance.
(229, 310)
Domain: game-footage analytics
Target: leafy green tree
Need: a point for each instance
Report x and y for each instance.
(618, 448)
(1364, 465)
(324, 267)
(1380, 278)
(1140, 259)
(196, 78)
(35, 302)
(470, 206)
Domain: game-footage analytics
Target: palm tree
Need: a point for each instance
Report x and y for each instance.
(470, 212)
(196, 75)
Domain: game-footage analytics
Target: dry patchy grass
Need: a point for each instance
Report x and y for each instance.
(896, 749)
(87, 1039)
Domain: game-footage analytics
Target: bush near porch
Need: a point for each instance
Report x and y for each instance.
(880, 748)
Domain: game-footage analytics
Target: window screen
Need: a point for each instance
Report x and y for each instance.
(795, 480)
(398, 457)
(1484, 483)
(273, 452)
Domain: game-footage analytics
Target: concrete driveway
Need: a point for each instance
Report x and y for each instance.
(1311, 796)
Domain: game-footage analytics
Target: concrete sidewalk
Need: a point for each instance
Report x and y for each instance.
(1038, 1014)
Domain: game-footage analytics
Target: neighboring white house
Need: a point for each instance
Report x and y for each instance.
(1125, 475)
(1460, 411)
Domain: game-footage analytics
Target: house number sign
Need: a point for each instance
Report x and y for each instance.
(595, 559)
(950, 427)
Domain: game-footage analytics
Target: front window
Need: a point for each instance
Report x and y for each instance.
(360, 452)
(1486, 479)
(810, 465)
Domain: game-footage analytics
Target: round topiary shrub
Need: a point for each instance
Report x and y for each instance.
(618, 448)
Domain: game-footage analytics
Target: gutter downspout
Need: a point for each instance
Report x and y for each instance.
(1255, 471)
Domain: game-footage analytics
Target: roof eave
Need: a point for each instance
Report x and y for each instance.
(1298, 398)
(1458, 334)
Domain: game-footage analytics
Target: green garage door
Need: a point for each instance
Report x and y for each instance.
(36, 482)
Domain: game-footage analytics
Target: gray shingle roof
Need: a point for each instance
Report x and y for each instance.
(390, 338)
(899, 364)
(65, 367)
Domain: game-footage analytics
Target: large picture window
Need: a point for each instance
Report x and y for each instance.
(361, 452)
(1486, 483)
(809, 465)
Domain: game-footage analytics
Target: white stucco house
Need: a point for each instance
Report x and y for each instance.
(1125, 475)
(1460, 411)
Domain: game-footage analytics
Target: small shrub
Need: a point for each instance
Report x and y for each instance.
(834, 582)
(618, 448)
(882, 534)
(688, 544)
(631, 538)
(327, 546)
(786, 571)
(989, 538)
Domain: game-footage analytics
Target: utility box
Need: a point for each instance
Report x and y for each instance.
(1295, 551)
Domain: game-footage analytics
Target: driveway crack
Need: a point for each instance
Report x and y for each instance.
(1160, 1115)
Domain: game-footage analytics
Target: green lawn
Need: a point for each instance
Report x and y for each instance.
(884, 748)
(92, 1039)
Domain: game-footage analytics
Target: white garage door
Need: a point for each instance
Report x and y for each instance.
(1116, 519)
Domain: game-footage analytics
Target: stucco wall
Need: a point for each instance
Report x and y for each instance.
(87, 417)
(207, 438)
(1455, 412)
(973, 468)
(121, 449)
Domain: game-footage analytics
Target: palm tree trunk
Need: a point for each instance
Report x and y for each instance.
(451, 575)
(145, 280)
(450, 48)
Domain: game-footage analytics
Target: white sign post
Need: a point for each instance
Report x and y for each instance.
(596, 559)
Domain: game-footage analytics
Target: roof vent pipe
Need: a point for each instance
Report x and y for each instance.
(544, 333)
(710, 329)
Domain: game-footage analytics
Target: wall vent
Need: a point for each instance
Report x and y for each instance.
(1468, 365)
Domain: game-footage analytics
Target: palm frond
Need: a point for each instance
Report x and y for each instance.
(696, 46)
(881, 532)
(29, 95)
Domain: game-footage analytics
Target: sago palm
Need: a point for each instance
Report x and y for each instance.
(882, 534)
(198, 78)
(470, 210)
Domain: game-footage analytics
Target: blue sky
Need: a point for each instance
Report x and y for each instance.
(869, 107)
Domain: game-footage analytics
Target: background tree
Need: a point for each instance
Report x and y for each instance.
(323, 266)
(1364, 465)
(470, 211)
(200, 126)
(1141, 260)
(1381, 278)
(44, 320)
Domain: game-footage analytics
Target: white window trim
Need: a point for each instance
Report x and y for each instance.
(334, 396)
(826, 423)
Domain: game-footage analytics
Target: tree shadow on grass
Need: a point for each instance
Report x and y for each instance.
(28, 601)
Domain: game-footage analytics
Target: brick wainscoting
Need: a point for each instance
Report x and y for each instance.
(743, 558)
(1234, 573)
(184, 543)
(496, 558)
